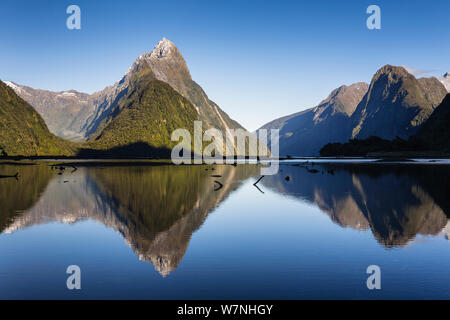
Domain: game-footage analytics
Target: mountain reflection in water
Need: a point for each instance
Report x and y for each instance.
(156, 209)
(396, 201)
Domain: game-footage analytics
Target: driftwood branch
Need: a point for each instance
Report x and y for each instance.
(10, 176)
(258, 181)
(256, 184)
(220, 186)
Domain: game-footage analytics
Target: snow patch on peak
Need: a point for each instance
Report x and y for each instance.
(164, 43)
(67, 94)
(17, 89)
(445, 79)
(164, 48)
(12, 85)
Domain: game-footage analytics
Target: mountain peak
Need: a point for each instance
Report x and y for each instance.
(165, 61)
(390, 69)
(164, 48)
(396, 104)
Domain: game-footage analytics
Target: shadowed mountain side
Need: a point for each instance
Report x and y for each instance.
(436, 181)
(435, 133)
(17, 196)
(395, 202)
(432, 138)
(155, 208)
(396, 104)
(304, 133)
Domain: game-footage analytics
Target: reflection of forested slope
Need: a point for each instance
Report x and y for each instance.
(156, 209)
(396, 202)
(163, 206)
(19, 195)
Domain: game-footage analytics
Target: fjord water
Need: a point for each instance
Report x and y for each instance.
(156, 231)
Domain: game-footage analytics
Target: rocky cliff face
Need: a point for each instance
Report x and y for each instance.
(396, 104)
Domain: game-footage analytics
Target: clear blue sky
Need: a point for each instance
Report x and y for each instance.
(257, 59)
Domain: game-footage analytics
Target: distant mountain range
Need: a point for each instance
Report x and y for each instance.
(137, 114)
(65, 113)
(395, 104)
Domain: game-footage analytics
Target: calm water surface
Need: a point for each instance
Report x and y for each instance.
(161, 231)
